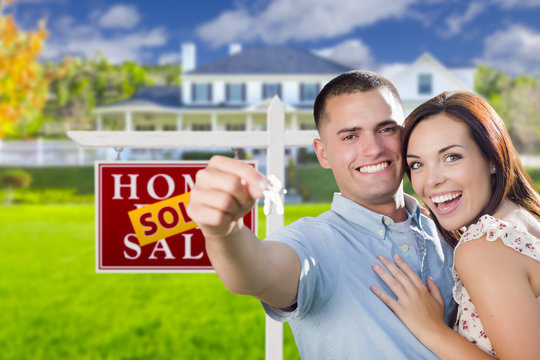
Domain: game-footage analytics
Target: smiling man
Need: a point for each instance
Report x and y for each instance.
(316, 273)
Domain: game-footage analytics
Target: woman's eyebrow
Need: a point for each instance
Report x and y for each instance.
(440, 151)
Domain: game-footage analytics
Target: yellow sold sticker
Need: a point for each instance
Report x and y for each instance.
(162, 219)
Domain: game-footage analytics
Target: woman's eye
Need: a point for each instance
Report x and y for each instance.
(452, 157)
(415, 165)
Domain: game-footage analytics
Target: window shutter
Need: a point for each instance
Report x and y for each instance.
(302, 92)
(209, 92)
(243, 92)
(228, 92)
(193, 93)
(279, 91)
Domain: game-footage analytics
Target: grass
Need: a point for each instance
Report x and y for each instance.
(54, 306)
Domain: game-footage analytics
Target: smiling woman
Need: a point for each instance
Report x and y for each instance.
(463, 165)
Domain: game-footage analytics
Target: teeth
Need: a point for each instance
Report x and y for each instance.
(446, 197)
(374, 168)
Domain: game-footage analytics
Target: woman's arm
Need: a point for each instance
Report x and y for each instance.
(421, 309)
(498, 280)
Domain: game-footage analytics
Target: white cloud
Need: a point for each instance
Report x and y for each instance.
(353, 53)
(71, 37)
(169, 58)
(456, 22)
(517, 3)
(300, 20)
(120, 17)
(514, 50)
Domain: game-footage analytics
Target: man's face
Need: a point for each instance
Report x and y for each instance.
(360, 142)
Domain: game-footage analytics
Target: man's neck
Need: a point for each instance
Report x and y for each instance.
(394, 209)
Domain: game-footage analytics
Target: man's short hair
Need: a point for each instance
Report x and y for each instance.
(349, 83)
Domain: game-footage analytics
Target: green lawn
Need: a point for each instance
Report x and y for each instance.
(54, 306)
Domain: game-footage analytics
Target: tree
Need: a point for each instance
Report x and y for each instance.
(517, 101)
(82, 84)
(23, 86)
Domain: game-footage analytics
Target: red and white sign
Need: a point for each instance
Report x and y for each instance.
(141, 221)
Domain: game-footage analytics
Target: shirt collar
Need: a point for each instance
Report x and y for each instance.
(364, 217)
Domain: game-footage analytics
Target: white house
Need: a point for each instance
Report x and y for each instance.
(232, 93)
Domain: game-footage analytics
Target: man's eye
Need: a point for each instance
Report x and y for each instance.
(349, 137)
(388, 129)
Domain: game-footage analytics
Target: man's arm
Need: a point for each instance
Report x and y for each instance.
(223, 193)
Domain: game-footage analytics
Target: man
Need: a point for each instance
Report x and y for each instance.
(316, 273)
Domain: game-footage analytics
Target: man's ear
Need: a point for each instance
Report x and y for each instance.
(320, 150)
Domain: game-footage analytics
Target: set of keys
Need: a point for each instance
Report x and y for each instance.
(272, 196)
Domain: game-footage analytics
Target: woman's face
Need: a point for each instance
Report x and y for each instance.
(448, 170)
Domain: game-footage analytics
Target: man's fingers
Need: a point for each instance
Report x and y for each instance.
(256, 183)
(212, 181)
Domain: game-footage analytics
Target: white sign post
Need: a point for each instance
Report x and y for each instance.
(275, 140)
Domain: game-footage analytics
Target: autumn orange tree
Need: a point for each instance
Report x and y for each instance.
(23, 85)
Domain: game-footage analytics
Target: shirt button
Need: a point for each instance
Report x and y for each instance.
(405, 247)
(387, 222)
(381, 232)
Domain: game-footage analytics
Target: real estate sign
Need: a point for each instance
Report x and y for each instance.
(141, 220)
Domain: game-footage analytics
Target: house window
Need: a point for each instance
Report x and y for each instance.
(201, 127)
(425, 83)
(144, 127)
(202, 92)
(308, 92)
(235, 127)
(236, 93)
(271, 89)
(169, 127)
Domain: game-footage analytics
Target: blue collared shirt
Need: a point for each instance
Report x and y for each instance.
(337, 316)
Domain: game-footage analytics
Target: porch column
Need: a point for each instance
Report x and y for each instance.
(214, 125)
(294, 122)
(249, 122)
(99, 122)
(179, 122)
(129, 121)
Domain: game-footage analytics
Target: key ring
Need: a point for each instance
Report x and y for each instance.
(272, 196)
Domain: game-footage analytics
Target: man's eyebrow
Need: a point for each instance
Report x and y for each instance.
(440, 151)
(358, 128)
(348, 130)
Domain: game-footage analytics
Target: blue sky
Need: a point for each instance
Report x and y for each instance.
(360, 33)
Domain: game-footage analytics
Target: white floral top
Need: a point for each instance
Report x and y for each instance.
(468, 323)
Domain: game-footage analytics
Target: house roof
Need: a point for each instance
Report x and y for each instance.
(278, 59)
(152, 97)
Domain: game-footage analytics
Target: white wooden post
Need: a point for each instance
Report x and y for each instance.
(275, 154)
(274, 140)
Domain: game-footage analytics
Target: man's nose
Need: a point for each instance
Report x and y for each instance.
(371, 145)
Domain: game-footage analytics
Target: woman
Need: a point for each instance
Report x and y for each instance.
(463, 165)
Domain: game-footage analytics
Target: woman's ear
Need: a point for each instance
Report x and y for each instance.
(492, 167)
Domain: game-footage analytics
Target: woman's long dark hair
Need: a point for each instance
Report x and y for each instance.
(510, 181)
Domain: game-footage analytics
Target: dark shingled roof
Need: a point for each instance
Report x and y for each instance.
(277, 59)
(153, 96)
